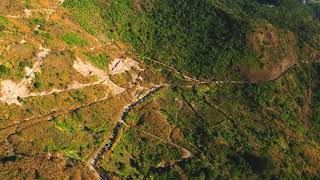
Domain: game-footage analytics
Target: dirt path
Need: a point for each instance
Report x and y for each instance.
(12, 91)
(193, 79)
(186, 153)
(178, 72)
(30, 122)
(108, 144)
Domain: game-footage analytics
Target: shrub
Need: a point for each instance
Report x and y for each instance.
(100, 60)
(3, 23)
(27, 3)
(37, 85)
(84, 12)
(36, 21)
(3, 70)
(73, 39)
(37, 82)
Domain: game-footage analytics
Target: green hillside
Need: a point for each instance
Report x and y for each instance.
(160, 89)
(191, 35)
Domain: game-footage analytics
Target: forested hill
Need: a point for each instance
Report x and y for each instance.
(159, 89)
(215, 34)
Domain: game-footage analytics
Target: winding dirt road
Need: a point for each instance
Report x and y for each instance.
(109, 143)
(12, 95)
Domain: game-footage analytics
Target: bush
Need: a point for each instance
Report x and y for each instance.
(36, 21)
(37, 81)
(37, 85)
(87, 15)
(3, 23)
(27, 3)
(73, 39)
(44, 35)
(3, 70)
(100, 60)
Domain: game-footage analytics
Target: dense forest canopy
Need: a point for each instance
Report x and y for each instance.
(192, 34)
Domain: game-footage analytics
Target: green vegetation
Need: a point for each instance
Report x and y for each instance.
(258, 131)
(37, 81)
(24, 64)
(44, 35)
(87, 14)
(27, 3)
(68, 127)
(315, 8)
(269, 129)
(36, 21)
(187, 34)
(3, 70)
(73, 39)
(193, 34)
(137, 154)
(3, 23)
(291, 15)
(78, 96)
(315, 117)
(100, 60)
(40, 31)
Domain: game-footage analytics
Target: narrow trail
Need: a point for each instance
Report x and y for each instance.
(12, 91)
(206, 100)
(55, 111)
(58, 91)
(28, 12)
(210, 82)
(186, 153)
(178, 72)
(108, 144)
(27, 122)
